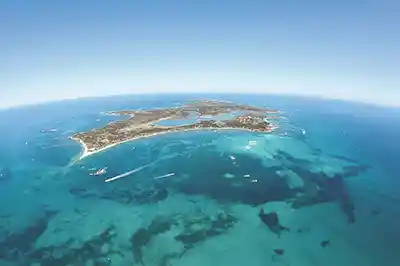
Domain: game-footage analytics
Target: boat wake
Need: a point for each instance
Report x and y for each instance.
(129, 172)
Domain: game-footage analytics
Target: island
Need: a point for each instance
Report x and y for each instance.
(143, 123)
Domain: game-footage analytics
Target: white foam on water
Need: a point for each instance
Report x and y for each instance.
(128, 173)
(164, 176)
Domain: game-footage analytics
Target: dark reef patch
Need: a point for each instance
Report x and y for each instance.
(16, 246)
(303, 230)
(206, 173)
(321, 188)
(159, 225)
(193, 230)
(272, 221)
(198, 230)
(124, 195)
(354, 170)
(151, 196)
(206, 177)
(19, 248)
(139, 239)
(92, 251)
(279, 251)
(250, 182)
(287, 158)
(344, 158)
(143, 236)
(82, 192)
(325, 243)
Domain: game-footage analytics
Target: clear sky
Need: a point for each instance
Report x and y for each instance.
(52, 50)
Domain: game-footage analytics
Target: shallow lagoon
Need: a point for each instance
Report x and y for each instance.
(193, 119)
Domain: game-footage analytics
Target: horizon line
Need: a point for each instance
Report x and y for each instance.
(283, 94)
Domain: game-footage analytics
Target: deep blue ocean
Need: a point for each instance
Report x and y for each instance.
(324, 189)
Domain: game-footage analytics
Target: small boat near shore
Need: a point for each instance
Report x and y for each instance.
(252, 143)
(99, 172)
(52, 130)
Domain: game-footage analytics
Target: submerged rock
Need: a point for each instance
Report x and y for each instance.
(16, 245)
(339, 189)
(325, 243)
(279, 251)
(151, 196)
(123, 195)
(143, 235)
(91, 252)
(303, 230)
(159, 225)
(139, 239)
(201, 229)
(321, 188)
(272, 221)
(194, 237)
(348, 209)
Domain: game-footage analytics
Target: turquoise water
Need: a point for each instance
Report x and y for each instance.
(330, 174)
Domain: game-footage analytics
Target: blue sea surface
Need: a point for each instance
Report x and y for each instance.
(321, 190)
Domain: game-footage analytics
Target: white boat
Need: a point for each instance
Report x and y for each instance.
(100, 171)
(49, 130)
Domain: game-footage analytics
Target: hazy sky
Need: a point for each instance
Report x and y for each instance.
(65, 49)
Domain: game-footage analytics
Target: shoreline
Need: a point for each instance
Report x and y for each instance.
(87, 153)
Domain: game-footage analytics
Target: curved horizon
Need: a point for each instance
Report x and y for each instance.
(202, 93)
(207, 95)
